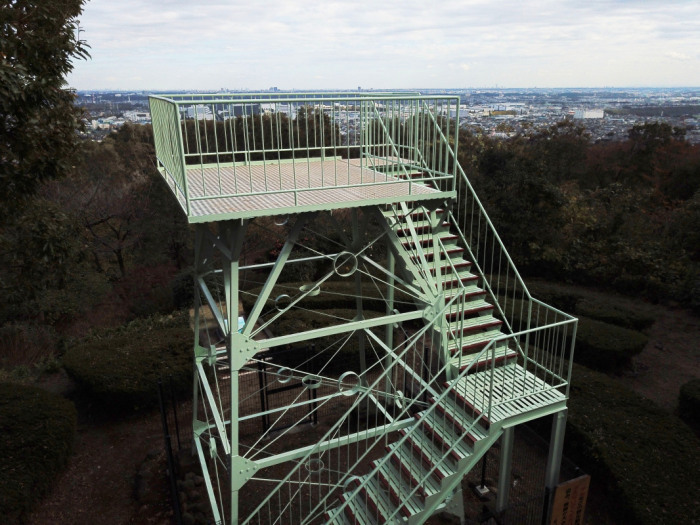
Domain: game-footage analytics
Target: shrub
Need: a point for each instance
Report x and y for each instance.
(37, 431)
(689, 403)
(121, 368)
(608, 311)
(606, 347)
(644, 458)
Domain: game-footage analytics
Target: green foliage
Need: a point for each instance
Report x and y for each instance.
(689, 403)
(610, 312)
(38, 120)
(37, 432)
(606, 347)
(643, 458)
(120, 369)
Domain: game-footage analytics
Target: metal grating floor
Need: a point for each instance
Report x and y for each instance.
(287, 187)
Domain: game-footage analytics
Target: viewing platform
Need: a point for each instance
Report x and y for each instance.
(241, 156)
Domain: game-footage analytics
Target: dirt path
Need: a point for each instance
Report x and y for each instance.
(670, 359)
(99, 484)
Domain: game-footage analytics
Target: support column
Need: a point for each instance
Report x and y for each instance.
(504, 468)
(556, 447)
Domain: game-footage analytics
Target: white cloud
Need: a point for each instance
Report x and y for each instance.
(180, 44)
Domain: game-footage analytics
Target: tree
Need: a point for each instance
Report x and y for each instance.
(38, 119)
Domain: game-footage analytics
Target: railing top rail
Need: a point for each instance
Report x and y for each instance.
(252, 98)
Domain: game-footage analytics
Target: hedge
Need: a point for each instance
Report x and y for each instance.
(689, 403)
(37, 432)
(120, 369)
(599, 345)
(606, 347)
(645, 458)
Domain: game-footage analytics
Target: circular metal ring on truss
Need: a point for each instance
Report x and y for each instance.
(349, 383)
(284, 375)
(314, 465)
(345, 264)
(311, 381)
(313, 290)
(349, 481)
(281, 221)
(282, 302)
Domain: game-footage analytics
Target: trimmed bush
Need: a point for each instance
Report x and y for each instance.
(121, 368)
(612, 313)
(606, 347)
(599, 345)
(689, 403)
(645, 459)
(37, 432)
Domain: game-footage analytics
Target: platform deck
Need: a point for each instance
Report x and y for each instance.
(257, 189)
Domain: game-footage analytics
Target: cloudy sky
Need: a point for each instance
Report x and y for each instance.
(342, 44)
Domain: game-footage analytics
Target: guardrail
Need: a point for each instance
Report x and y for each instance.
(209, 146)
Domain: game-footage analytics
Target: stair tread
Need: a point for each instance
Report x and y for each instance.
(431, 451)
(472, 339)
(468, 306)
(452, 437)
(417, 470)
(376, 496)
(358, 511)
(473, 323)
(463, 412)
(402, 491)
(501, 352)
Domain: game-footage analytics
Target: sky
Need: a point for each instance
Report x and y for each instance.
(343, 44)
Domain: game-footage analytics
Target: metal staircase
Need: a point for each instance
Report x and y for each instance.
(423, 468)
(462, 352)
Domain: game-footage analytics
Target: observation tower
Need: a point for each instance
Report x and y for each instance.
(362, 337)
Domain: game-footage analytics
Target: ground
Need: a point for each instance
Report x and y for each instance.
(117, 476)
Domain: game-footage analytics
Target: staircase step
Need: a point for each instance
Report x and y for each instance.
(473, 324)
(426, 239)
(469, 291)
(472, 341)
(442, 431)
(461, 412)
(450, 251)
(456, 262)
(421, 226)
(378, 501)
(429, 453)
(467, 308)
(501, 354)
(413, 472)
(399, 490)
(355, 511)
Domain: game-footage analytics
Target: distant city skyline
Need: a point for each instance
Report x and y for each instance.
(156, 45)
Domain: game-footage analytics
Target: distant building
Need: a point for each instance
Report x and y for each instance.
(588, 113)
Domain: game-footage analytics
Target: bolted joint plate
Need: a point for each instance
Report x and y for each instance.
(242, 349)
(242, 470)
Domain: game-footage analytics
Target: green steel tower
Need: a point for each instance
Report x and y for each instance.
(356, 371)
